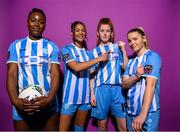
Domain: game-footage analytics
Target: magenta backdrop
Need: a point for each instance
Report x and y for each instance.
(160, 19)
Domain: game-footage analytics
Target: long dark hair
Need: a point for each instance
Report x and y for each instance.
(73, 25)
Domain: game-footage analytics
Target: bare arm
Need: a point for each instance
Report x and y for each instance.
(148, 95)
(55, 77)
(121, 44)
(93, 99)
(147, 100)
(77, 67)
(11, 82)
(127, 82)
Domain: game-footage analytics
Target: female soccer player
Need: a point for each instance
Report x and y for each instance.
(34, 61)
(76, 90)
(142, 78)
(107, 93)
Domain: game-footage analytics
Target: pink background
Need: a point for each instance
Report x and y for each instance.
(160, 19)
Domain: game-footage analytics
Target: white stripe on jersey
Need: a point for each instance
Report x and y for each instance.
(112, 65)
(154, 102)
(105, 70)
(97, 81)
(138, 87)
(80, 86)
(87, 85)
(142, 90)
(66, 83)
(28, 69)
(71, 92)
(112, 79)
(86, 56)
(50, 49)
(39, 70)
(18, 46)
(131, 68)
(20, 76)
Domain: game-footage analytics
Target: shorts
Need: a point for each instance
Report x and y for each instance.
(70, 109)
(109, 97)
(151, 123)
(52, 108)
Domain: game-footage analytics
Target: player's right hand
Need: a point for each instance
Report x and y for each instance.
(139, 71)
(93, 100)
(104, 57)
(25, 106)
(121, 44)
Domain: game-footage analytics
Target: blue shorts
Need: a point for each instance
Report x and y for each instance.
(70, 109)
(109, 97)
(53, 107)
(151, 123)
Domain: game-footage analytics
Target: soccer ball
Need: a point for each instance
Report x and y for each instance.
(32, 92)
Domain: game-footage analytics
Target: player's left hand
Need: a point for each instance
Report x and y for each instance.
(93, 100)
(42, 102)
(104, 57)
(121, 44)
(138, 122)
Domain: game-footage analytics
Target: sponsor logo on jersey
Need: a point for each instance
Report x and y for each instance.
(29, 60)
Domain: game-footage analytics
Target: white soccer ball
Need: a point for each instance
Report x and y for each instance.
(32, 92)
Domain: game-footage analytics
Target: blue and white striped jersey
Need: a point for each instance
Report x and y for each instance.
(76, 88)
(135, 95)
(33, 58)
(109, 72)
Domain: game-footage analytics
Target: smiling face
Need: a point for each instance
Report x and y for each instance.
(136, 41)
(36, 24)
(104, 33)
(79, 34)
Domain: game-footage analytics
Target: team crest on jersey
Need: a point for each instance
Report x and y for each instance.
(148, 69)
(66, 57)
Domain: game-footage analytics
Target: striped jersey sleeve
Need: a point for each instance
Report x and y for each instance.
(152, 65)
(12, 53)
(67, 54)
(92, 55)
(55, 55)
